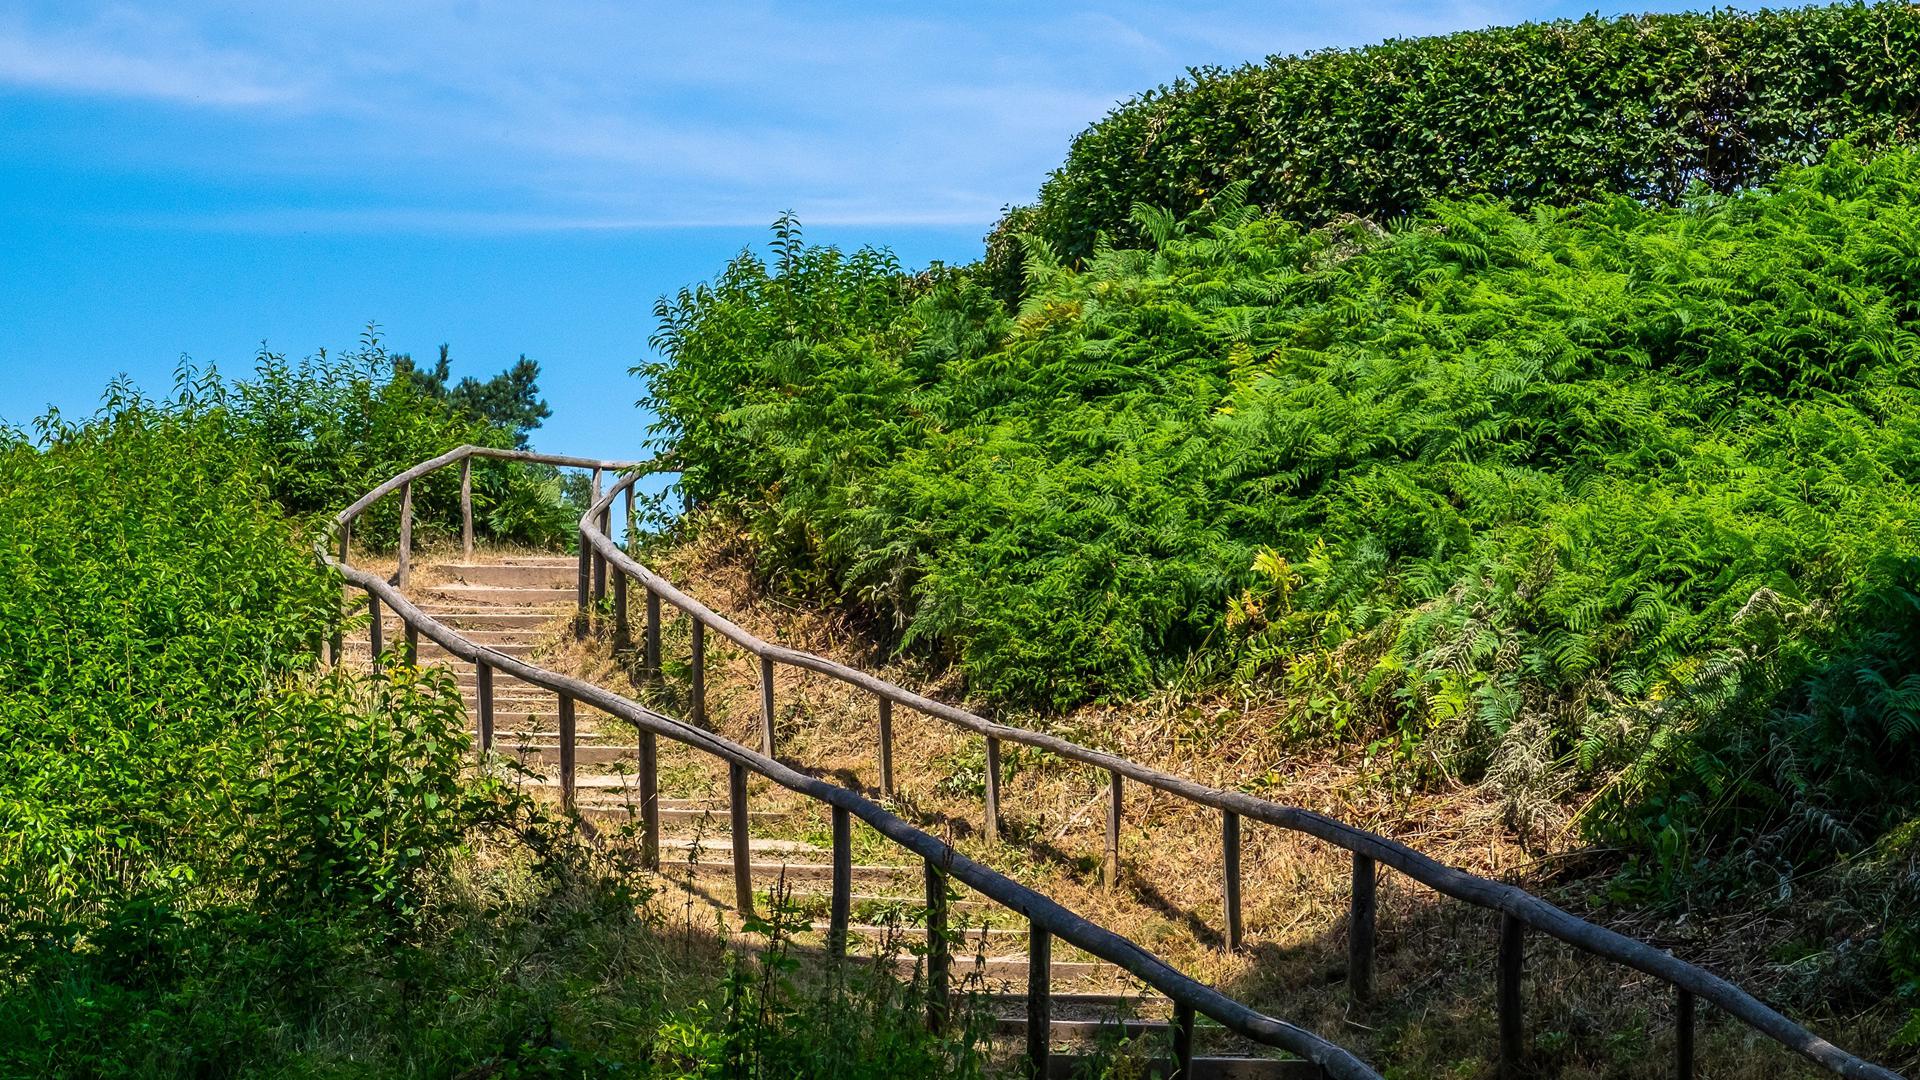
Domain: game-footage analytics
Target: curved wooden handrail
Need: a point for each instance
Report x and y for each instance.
(1041, 911)
(1512, 902)
(461, 453)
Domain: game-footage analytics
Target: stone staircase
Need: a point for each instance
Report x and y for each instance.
(522, 605)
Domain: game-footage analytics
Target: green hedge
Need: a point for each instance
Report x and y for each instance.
(1550, 112)
(1522, 493)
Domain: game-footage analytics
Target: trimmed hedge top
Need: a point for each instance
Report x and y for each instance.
(1550, 112)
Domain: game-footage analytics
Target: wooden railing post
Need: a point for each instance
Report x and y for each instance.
(1513, 1037)
(766, 705)
(939, 949)
(650, 800)
(993, 790)
(1360, 926)
(406, 533)
(886, 748)
(1110, 868)
(622, 634)
(842, 883)
(483, 690)
(1230, 857)
(466, 509)
(742, 855)
(600, 563)
(1683, 1034)
(566, 752)
(374, 628)
(580, 588)
(699, 675)
(411, 634)
(339, 643)
(596, 579)
(1039, 999)
(1182, 1042)
(651, 656)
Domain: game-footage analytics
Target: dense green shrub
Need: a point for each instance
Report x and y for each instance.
(216, 861)
(199, 835)
(1513, 489)
(1644, 106)
(328, 428)
(510, 400)
(164, 751)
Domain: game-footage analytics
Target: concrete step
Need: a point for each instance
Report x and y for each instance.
(1144, 1005)
(533, 626)
(512, 575)
(479, 622)
(519, 702)
(1016, 967)
(1069, 1066)
(504, 685)
(754, 844)
(1060, 1031)
(601, 782)
(431, 652)
(528, 600)
(673, 817)
(805, 876)
(970, 938)
(584, 754)
(998, 943)
(536, 737)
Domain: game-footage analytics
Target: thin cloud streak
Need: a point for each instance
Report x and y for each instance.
(583, 114)
(435, 221)
(189, 76)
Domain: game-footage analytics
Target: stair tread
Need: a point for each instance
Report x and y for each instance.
(755, 844)
(1204, 1068)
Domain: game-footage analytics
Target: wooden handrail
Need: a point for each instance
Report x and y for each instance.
(461, 453)
(942, 861)
(1520, 909)
(1525, 909)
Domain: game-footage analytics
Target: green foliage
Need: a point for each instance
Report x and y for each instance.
(216, 861)
(1555, 113)
(328, 428)
(1597, 487)
(510, 400)
(172, 773)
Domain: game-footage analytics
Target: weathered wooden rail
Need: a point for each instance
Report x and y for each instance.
(604, 566)
(1047, 919)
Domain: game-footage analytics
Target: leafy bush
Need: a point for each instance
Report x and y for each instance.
(165, 751)
(328, 428)
(1644, 106)
(510, 400)
(216, 861)
(1584, 486)
(198, 834)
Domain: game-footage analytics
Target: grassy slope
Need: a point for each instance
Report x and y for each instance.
(1612, 499)
(1436, 977)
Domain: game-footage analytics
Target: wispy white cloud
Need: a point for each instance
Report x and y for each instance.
(965, 213)
(484, 114)
(90, 62)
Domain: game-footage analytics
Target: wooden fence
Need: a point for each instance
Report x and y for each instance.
(604, 566)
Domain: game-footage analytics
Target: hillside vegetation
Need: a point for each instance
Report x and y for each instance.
(1611, 493)
(1555, 113)
(220, 859)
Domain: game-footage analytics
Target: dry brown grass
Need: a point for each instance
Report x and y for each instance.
(1435, 987)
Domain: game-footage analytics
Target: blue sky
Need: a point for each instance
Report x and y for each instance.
(197, 177)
